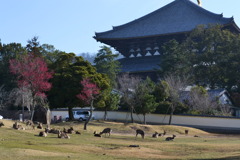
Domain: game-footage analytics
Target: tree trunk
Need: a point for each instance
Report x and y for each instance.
(132, 115)
(105, 114)
(23, 118)
(48, 116)
(33, 110)
(171, 114)
(144, 118)
(70, 113)
(89, 118)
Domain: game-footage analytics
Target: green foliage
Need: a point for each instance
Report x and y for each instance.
(199, 89)
(34, 46)
(69, 71)
(106, 63)
(145, 101)
(209, 55)
(174, 59)
(112, 101)
(7, 52)
(161, 91)
(49, 53)
(164, 107)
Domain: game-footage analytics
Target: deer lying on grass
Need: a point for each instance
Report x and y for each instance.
(1, 124)
(30, 123)
(141, 132)
(106, 130)
(96, 134)
(170, 138)
(15, 125)
(42, 134)
(162, 134)
(71, 130)
(63, 135)
(53, 130)
(155, 135)
(18, 126)
(40, 125)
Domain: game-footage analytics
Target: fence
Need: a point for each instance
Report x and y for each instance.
(208, 123)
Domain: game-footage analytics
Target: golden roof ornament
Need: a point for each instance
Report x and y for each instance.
(199, 2)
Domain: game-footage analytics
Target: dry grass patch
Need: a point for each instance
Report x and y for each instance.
(26, 145)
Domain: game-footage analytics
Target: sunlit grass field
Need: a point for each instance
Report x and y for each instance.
(27, 145)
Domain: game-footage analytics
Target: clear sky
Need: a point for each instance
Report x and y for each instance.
(69, 25)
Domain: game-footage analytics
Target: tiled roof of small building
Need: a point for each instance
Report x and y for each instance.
(176, 17)
(140, 64)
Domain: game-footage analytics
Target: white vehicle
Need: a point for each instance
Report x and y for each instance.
(1, 117)
(81, 115)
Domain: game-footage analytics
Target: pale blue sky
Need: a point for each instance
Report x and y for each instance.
(69, 25)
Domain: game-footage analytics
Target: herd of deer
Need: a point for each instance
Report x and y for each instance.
(155, 135)
(65, 132)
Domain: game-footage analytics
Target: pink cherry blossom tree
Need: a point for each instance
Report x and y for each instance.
(32, 74)
(88, 94)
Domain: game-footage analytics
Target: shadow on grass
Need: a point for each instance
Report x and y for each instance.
(225, 158)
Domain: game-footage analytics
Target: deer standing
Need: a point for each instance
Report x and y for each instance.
(106, 130)
(141, 132)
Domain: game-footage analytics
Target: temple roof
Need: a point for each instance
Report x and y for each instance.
(140, 64)
(176, 17)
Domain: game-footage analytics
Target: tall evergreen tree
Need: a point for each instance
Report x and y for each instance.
(145, 101)
(106, 63)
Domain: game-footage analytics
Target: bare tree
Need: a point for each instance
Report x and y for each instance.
(127, 85)
(176, 86)
(21, 97)
(201, 102)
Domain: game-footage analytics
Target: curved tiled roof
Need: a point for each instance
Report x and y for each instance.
(140, 64)
(176, 17)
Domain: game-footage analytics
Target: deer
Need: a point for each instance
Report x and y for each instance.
(29, 123)
(141, 132)
(155, 135)
(70, 131)
(40, 126)
(170, 138)
(54, 131)
(1, 124)
(162, 134)
(63, 135)
(96, 134)
(106, 130)
(20, 127)
(15, 125)
(42, 134)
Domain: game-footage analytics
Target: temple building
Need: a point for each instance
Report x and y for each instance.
(140, 41)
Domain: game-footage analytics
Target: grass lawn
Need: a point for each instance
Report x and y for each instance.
(27, 145)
